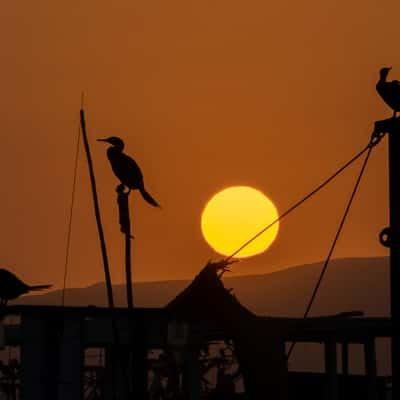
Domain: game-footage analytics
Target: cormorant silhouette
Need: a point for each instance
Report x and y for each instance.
(11, 287)
(126, 169)
(389, 91)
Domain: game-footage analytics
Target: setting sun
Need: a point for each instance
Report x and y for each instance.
(233, 216)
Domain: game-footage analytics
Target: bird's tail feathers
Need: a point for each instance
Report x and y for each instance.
(148, 198)
(39, 287)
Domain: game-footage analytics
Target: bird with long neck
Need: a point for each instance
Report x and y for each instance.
(126, 169)
(12, 287)
(389, 91)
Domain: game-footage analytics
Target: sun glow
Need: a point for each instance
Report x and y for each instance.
(233, 216)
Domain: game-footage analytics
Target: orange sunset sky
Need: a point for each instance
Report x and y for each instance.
(206, 94)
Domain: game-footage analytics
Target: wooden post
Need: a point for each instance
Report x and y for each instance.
(192, 373)
(390, 237)
(125, 224)
(71, 358)
(32, 363)
(331, 370)
(394, 198)
(39, 357)
(370, 368)
(345, 358)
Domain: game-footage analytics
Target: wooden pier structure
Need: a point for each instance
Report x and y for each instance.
(53, 341)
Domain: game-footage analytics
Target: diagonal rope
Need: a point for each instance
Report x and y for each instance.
(68, 244)
(300, 202)
(324, 268)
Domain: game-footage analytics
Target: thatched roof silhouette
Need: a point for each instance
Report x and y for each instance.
(206, 298)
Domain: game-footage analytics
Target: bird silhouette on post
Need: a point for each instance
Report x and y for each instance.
(126, 169)
(12, 287)
(389, 91)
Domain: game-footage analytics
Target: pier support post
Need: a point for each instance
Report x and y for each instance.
(370, 368)
(39, 357)
(331, 392)
(345, 359)
(192, 374)
(71, 358)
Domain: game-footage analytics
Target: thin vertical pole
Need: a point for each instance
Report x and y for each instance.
(394, 199)
(128, 272)
(97, 213)
(125, 223)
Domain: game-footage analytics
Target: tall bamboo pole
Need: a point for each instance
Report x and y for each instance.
(97, 213)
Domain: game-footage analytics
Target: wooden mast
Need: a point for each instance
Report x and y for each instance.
(394, 207)
(390, 237)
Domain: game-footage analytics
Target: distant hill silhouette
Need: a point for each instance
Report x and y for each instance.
(349, 284)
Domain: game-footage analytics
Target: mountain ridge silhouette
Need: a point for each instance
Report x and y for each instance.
(349, 284)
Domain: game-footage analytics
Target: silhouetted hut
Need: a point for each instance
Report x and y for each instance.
(260, 352)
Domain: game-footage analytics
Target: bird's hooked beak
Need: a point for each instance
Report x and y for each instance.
(103, 140)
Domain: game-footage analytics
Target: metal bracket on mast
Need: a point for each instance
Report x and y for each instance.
(390, 125)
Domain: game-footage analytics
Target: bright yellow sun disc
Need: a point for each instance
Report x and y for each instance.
(235, 215)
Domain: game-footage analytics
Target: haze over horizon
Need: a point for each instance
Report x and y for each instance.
(272, 95)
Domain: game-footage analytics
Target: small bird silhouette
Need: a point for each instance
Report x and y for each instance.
(389, 91)
(11, 287)
(126, 169)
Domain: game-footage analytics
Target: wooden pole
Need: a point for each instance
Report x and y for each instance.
(97, 213)
(345, 359)
(394, 207)
(125, 223)
(114, 356)
(390, 237)
(128, 272)
(370, 368)
(331, 369)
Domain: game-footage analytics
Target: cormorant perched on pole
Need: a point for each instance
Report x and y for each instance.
(126, 168)
(389, 91)
(11, 287)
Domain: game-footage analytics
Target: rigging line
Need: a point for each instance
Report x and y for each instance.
(324, 268)
(317, 189)
(70, 218)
